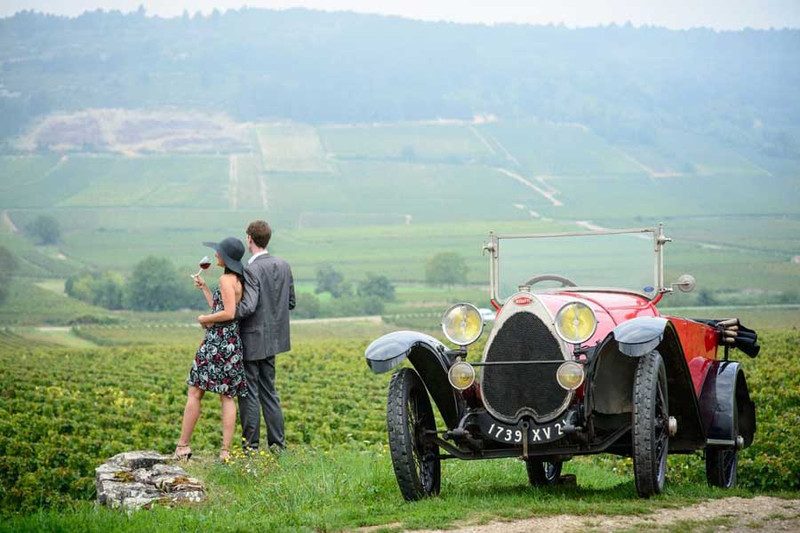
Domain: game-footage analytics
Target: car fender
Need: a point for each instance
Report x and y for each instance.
(641, 335)
(429, 358)
(725, 387)
(614, 367)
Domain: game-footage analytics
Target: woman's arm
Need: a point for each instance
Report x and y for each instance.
(227, 286)
(200, 283)
(251, 289)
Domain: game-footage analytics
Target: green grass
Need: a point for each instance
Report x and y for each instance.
(30, 305)
(58, 335)
(115, 181)
(543, 148)
(55, 428)
(291, 148)
(761, 319)
(308, 490)
(38, 262)
(444, 142)
(389, 192)
(16, 170)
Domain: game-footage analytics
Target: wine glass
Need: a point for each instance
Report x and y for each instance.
(205, 262)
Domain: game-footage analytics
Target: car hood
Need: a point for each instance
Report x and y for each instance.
(610, 307)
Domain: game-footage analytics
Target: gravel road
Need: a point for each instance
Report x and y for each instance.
(761, 514)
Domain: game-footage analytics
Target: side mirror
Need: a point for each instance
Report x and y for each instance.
(685, 283)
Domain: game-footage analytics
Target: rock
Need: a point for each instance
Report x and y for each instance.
(137, 480)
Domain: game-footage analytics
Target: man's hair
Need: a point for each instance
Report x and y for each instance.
(260, 232)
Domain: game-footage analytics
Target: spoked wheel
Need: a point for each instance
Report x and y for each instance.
(409, 417)
(722, 463)
(543, 473)
(650, 425)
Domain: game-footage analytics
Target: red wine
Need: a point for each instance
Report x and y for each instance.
(205, 263)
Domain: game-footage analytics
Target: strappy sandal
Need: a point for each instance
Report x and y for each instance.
(182, 456)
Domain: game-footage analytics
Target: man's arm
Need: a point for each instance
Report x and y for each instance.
(252, 288)
(292, 300)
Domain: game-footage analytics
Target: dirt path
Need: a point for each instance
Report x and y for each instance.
(233, 182)
(482, 139)
(6, 220)
(546, 194)
(763, 514)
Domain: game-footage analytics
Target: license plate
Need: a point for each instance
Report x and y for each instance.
(513, 434)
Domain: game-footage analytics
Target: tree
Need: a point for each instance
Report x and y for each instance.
(109, 290)
(377, 286)
(705, 298)
(8, 264)
(307, 306)
(46, 229)
(330, 280)
(106, 289)
(155, 286)
(446, 268)
(79, 286)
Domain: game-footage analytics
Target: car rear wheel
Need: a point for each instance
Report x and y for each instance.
(650, 425)
(543, 473)
(409, 419)
(722, 463)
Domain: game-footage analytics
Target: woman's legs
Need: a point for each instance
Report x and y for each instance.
(190, 415)
(228, 423)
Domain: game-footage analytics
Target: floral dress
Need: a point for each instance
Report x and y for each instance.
(219, 362)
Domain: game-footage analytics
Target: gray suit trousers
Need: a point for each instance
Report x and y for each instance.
(262, 396)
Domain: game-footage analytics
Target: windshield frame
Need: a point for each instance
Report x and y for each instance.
(493, 247)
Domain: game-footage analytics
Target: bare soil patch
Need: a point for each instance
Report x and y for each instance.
(763, 514)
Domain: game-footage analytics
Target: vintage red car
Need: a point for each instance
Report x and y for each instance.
(571, 369)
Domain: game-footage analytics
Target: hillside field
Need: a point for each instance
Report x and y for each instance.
(384, 198)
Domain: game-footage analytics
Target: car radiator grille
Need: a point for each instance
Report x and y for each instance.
(509, 388)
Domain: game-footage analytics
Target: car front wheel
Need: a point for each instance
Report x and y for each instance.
(543, 473)
(650, 425)
(409, 420)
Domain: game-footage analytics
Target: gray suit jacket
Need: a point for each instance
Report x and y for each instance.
(263, 312)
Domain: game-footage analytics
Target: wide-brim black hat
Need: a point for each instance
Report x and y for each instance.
(231, 250)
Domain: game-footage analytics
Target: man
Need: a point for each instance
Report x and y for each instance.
(263, 316)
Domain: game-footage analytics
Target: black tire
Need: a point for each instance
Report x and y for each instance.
(722, 464)
(650, 425)
(409, 417)
(543, 473)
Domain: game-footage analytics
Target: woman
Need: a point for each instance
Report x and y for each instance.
(218, 365)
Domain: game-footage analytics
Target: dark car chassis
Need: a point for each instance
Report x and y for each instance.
(638, 398)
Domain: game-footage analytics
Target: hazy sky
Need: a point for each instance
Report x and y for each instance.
(718, 14)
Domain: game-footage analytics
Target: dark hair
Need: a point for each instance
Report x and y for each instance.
(260, 232)
(238, 276)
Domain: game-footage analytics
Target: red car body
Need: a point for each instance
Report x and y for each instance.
(650, 384)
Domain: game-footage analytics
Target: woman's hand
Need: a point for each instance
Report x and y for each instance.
(204, 322)
(200, 283)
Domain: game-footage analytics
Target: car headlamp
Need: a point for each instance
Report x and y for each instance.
(461, 375)
(462, 324)
(570, 375)
(575, 322)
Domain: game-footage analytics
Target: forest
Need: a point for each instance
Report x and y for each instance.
(623, 82)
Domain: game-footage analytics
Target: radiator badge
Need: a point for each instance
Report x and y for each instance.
(523, 300)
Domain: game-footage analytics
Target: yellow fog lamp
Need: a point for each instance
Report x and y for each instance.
(462, 324)
(575, 322)
(570, 375)
(461, 375)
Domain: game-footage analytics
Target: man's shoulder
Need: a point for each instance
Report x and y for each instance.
(263, 261)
